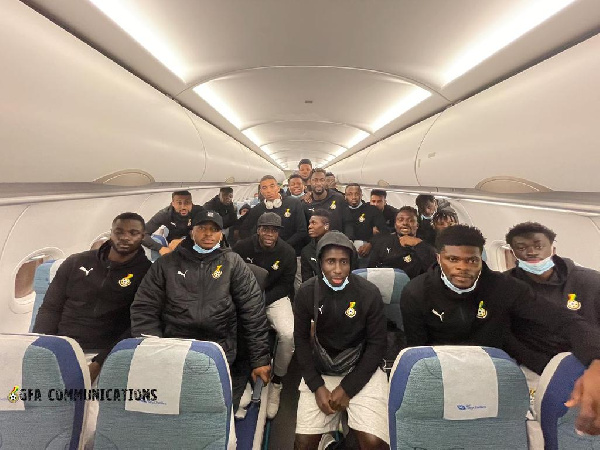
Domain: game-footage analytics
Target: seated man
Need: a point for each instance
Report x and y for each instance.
(442, 219)
(463, 302)
(365, 219)
(177, 217)
(201, 291)
(295, 186)
(223, 204)
(318, 225)
(427, 206)
(379, 200)
(331, 183)
(341, 370)
(575, 289)
(268, 251)
(402, 249)
(89, 298)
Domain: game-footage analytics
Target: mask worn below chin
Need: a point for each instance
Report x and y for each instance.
(273, 204)
(354, 207)
(424, 217)
(203, 251)
(537, 268)
(335, 288)
(453, 288)
(300, 195)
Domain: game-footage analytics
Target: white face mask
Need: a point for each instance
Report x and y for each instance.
(424, 217)
(335, 288)
(204, 251)
(453, 288)
(537, 268)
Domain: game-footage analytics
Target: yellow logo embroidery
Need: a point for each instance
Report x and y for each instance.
(572, 303)
(275, 265)
(13, 396)
(126, 281)
(481, 311)
(332, 206)
(407, 259)
(218, 272)
(189, 222)
(351, 312)
(361, 219)
(287, 213)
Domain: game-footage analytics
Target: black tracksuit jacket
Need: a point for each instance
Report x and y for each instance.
(227, 212)
(435, 315)
(363, 219)
(336, 205)
(210, 297)
(179, 226)
(308, 261)
(426, 231)
(576, 290)
(89, 299)
(338, 331)
(280, 262)
(387, 252)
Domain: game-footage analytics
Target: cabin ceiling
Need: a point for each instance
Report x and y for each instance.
(322, 79)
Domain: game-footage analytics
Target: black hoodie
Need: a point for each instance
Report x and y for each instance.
(179, 226)
(227, 212)
(435, 315)
(364, 218)
(335, 203)
(89, 299)
(576, 290)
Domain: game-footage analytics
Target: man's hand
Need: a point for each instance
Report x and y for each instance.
(409, 241)
(307, 198)
(164, 251)
(323, 397)
(339, 399)
(174, 243)
(365, 249)
(586, 395)
(94, 370)
(264, 372)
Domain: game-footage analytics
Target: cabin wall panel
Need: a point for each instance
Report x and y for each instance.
(349, 170)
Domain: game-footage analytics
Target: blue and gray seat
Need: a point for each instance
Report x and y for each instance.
(52, 376)
(44, 275)
(557, 421)
(462, 397)
(175, 393)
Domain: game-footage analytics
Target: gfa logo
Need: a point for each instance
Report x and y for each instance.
(218, 272)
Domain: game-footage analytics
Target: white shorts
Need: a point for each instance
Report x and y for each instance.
(367, 411)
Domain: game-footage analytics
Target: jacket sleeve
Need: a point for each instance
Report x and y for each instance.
(379, 222)
(347, 223)
(305, 268)
(150, 298)
(50, 312)
(374, 349)
(102, 354)
(536, 361)
(415, 327)
(158, 219)
(249, 223)
(301, 232)
(303, 314)
(231, 218)
(285, 284)
(583, 337)
(375, 256)
(252, 317)
(426, 254)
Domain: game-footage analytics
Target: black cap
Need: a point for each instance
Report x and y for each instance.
(269, 219)
(208, 216)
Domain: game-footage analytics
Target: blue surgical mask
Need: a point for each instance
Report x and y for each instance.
(203, 251)
(453, 288)
(354, 207)
(335, 288)
(539, 267)
(300, 195)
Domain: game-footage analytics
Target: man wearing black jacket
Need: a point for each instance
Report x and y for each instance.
(202, 291)
(462, 302)
(318, 225)
(575, 289)
(348, 314)
(403, 250)
(365, 217)
(379, 200)
(177, 218)
(288, 208)
(427, 206)
(223, 204)
(268, 251)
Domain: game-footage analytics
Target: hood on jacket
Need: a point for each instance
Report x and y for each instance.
(339, 239)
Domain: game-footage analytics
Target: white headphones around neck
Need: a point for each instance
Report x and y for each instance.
(273, 204)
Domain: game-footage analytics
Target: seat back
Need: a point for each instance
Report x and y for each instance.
(390, 282)
(260, 274)
(557, 421)
(457, 397)
(46, 369)
(162, 240)
(190, 376)
(44, 275)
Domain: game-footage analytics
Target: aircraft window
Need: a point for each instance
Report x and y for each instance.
(510, 262)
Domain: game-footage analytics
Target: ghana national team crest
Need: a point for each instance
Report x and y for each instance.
(481, 311)
(351, 312)
(572, 303)
(407, 258)
(189, 222)
(361, 219)
(125, 281)
(332, 206)
(287, 213)
(275, 265)
(218, 272)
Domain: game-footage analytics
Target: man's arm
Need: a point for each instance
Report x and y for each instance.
(534, 360)
(250, 309)
(159, 219)
(301, 232)
(305, 267)
(411, 306)
(50, 312)
(347, 222)
(250, 222)
(148, 304)
(231, 218)
(426, 254)
(284, 285)
(375, 256)
(379, 222)
(372, 353)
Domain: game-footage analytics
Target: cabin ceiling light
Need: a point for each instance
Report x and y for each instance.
(210, 97)
(528, 16)
(254, 138)
(406, 103)
(518, 205)
(357, 138)
(134, 23)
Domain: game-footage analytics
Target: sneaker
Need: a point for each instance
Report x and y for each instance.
(244, 402)
(326, 441)
(273, 399)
